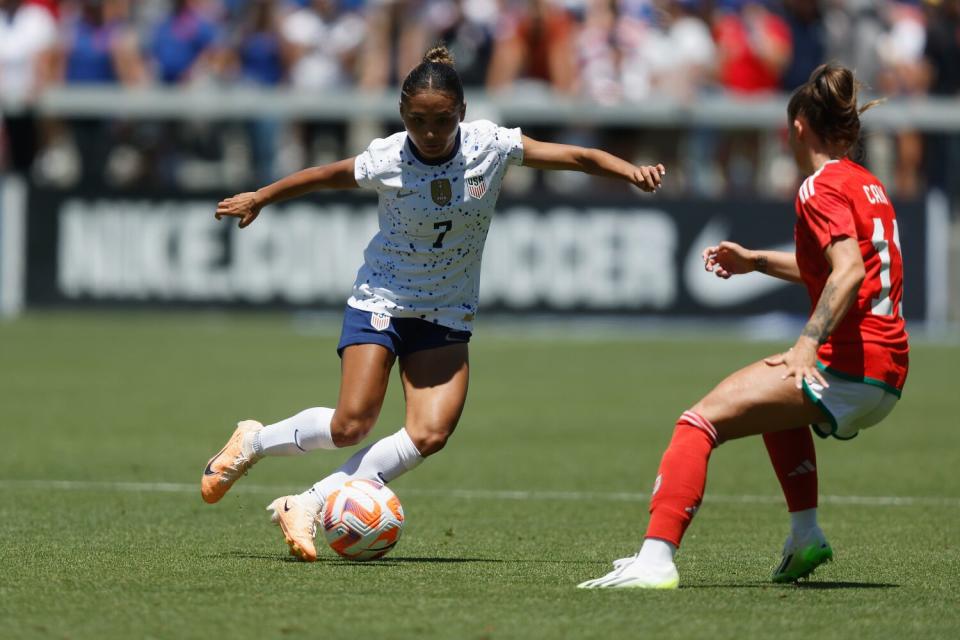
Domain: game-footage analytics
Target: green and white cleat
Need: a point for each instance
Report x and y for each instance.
(801, 558)
(630, 573)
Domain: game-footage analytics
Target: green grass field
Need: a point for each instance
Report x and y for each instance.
(107, 421)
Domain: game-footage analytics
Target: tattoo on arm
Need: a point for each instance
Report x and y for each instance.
(824, 318)
(760, 263)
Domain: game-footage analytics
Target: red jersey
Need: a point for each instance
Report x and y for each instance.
(844, 200)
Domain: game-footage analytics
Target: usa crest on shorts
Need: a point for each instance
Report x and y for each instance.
(379, 321)
(476, 186)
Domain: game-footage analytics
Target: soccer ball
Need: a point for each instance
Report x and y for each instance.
(362, 520)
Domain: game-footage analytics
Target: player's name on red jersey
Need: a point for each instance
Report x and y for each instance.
(844, 200)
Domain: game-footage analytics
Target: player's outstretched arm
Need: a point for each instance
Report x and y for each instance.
(547, 155)
(838, 295)
(729, 258)
(246, 206)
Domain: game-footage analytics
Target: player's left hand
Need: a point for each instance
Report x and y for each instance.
(801, 363)
(649, 178)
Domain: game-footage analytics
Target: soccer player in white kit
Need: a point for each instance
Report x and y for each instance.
(415, 297)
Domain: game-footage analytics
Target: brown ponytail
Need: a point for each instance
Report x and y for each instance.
(828, 100)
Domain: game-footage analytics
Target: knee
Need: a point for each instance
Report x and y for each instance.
(699, 416)
(429, 442)
(348, 429)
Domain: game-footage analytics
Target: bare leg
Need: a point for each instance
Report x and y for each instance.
(754, 400)
(365, 374)
(435, 386)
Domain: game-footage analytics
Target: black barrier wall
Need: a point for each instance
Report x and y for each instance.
(631, 255)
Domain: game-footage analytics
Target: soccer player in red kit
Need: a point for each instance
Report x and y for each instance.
(845, 372)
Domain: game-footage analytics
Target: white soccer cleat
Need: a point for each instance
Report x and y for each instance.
(298, 523)
(630, 573)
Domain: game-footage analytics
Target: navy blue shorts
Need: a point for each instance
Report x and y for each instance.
(400, 335)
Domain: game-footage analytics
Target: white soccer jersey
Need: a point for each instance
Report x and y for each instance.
(425, 260)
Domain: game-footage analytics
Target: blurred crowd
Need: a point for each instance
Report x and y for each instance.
(608, 51)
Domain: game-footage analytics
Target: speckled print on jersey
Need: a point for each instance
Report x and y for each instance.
(425, 260)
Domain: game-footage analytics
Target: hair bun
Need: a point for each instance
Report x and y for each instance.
(439, 54)
(836, 87)
(829, 102)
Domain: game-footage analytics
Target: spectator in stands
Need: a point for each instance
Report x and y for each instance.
(466, 26)
(393, 32)
(754, 50)
(809, 39)
(598, 59)
(900, 50)
(400, 30)
(100, 46)
(186, 44)
(685, 66)
(685, 61)
(661, 48)
(27, 37)
(942, 48)
(942, 54)
(635, 37)
(260, 55)
(325, 42)
(533, 45)
(187, 47)
(753, 44)
(852, 29)
(326, 38)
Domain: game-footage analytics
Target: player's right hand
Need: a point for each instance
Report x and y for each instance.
(727, 259)
(649, 178)
(245, 206)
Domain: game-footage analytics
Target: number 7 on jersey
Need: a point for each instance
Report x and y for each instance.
(446, 225)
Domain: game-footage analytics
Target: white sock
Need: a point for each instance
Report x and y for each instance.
(656, 552)
(803, 521)
(308, 430)
(382, 461)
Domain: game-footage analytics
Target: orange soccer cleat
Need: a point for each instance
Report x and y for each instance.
(298, 523)
(228, 464)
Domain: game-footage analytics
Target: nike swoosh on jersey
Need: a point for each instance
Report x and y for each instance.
(296, 439)
(404, 194)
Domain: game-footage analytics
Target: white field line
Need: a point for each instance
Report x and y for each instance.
(475, 494)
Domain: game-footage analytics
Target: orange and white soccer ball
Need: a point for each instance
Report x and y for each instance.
(362, 520)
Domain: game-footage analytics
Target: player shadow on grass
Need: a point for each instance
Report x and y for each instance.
(370, 563)
(846, 585)
(824, 585)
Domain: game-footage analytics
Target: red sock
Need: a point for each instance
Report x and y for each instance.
(795, 462)
(681, 478)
